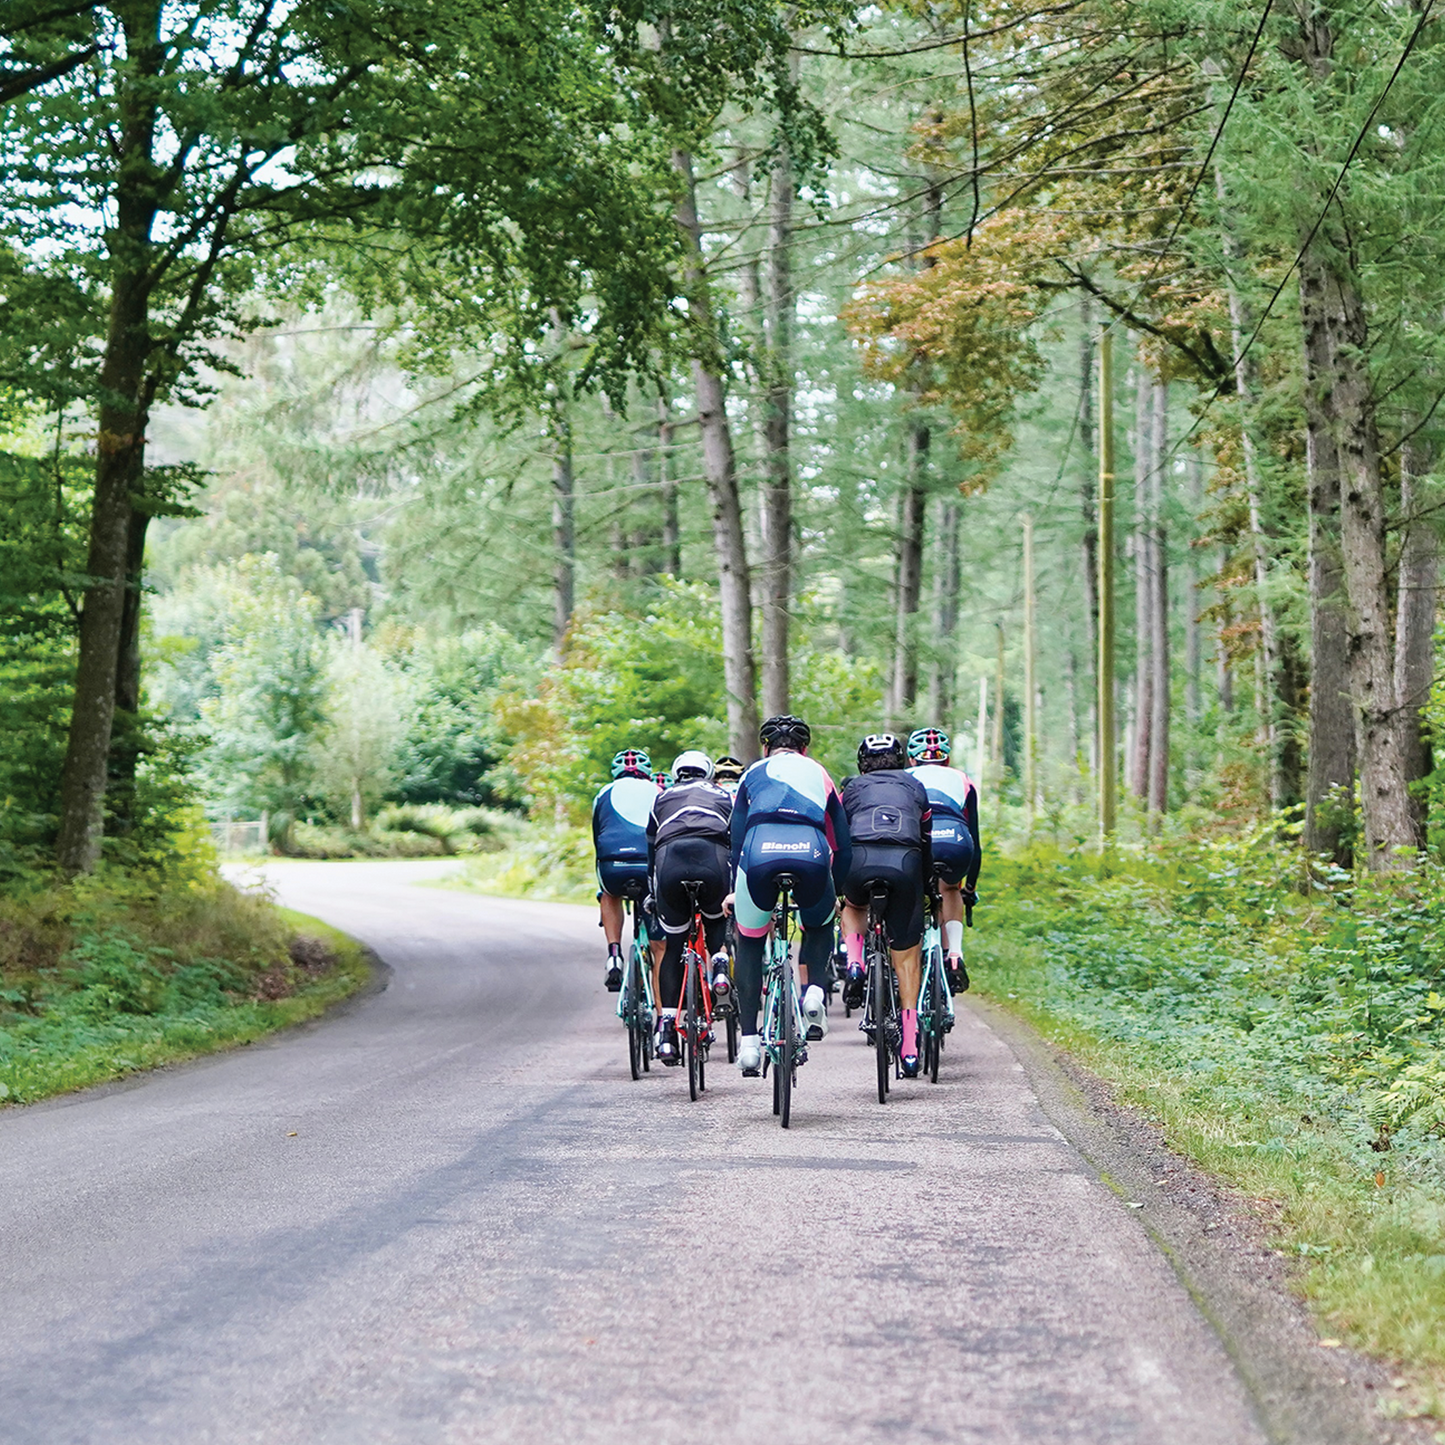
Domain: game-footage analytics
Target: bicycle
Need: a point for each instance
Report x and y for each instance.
(882, 1020)
(694, 1008)
(935, 998)
(636, 1006)
(782, 1029)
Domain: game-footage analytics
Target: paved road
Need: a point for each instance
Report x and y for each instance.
(448, 1215)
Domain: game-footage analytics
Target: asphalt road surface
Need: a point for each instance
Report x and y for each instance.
(448, 1214)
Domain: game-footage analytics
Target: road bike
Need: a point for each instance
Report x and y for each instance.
(635, 1004)
(782, 1030)
(882, 1020)
(935, 999)
(695, 1008)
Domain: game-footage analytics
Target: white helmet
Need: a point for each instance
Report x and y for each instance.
(692, 766)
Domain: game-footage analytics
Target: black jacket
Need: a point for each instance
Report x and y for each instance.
(689, 810)
(889, 806)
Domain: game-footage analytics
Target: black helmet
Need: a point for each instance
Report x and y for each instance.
(727, 770)
(785, 731)
(880, 750)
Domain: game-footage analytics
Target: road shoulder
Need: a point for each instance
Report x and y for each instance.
(1217, 1243)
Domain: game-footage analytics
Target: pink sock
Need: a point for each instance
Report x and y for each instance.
(910, 1031)
(853, 942)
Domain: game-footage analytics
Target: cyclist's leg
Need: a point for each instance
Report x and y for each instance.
(855, 922)
(610, 907)
(753, 918)
(953, 857)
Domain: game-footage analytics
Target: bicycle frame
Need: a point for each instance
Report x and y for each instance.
(882, 1019)
(935, 999)
(782, 1030)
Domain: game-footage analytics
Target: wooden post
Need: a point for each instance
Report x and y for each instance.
(1108, 760)
(998, 711)
(1031, 763)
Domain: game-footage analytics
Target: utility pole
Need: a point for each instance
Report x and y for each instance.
(1108, 762)
(1031, 762)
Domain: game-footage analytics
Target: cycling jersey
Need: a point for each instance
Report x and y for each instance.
(957, 851)
(787, 819)
(688, 841)
(619, 834)
(691, 810)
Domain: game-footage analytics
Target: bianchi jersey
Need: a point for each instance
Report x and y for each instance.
(619, 819)
(947, 788)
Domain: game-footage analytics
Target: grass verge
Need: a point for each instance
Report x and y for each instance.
(1287, 1041)
(552, 865)
(115, 1001)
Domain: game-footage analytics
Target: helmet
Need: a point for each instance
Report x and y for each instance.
(692, 766)
(663, 781)
(727, 770)
(785, 731)
(631, 760)
(880, 750)
(929, 745)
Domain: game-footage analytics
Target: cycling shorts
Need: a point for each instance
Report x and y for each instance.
(623, 877)
(901, 868)
(952, 848)
(685, 860)
(771, 850)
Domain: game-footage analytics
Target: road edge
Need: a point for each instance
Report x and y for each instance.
(1216, 1244)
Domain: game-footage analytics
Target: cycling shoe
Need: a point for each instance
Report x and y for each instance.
(667, 1041)
(908, 1064)
(614, 978)
(815, 1013)
(750, 1055)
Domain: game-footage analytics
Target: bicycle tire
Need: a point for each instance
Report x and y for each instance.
(629, 1017)
(787, 1062)
(880, 1022)
(689, 1026)
(732, 1028)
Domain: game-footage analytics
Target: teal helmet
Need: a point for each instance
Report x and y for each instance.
(929, 745)
(631, 760)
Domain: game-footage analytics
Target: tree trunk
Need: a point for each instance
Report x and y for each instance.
(1415, 607)
(777, 511)
(126, 737)
(908, 578)
(734, 581)
(671, 525)
(1090, 540)
(1159, 612)
(1193, 640)
(1143, 584)
(120, 453)
(564, 529)
(944, 676)
(1031, 721)
(1329, 786)
(1384, 794)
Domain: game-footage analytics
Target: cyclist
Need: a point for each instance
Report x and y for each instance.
(956, 848)
(688, 835)
(888, 821)
(787, 818)
(727, 773)
(619, 836)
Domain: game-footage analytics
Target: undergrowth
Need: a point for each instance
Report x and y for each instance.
(127, 969)
(1287, 1028)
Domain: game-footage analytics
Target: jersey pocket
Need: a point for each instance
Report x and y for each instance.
(887, 822)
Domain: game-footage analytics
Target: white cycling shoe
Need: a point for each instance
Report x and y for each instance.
(750, 1055)
(815, 1013)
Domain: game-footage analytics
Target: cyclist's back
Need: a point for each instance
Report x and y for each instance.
(619, 836)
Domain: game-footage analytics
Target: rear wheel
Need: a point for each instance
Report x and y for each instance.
(732, 1028)
(691, 1041)
(880, 1022)
(788, 1060)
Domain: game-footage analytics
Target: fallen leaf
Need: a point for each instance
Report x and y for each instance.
(1330, 1344)
(292, 1134)
(1133, 1204)
(1379, 1179)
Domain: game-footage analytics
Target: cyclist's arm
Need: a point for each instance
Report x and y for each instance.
(651, 841)
(597, 824)
(738, 827)
(970, 816)
(841, 839)
(926, 831)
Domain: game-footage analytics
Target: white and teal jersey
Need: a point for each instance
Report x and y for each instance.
(948, 788)
(619, 818)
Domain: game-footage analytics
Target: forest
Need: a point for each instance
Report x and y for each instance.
(405, 407)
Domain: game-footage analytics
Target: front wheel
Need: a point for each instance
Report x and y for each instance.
(880, 1027)
(787, 1062)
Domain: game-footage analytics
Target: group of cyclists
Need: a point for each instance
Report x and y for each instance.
(724, 835)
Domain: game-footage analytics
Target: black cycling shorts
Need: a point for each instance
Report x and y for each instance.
(952, 848)
(682, 861)
(900, 866)
(623, 877)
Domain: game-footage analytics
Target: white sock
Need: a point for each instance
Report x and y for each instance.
(953, 936)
